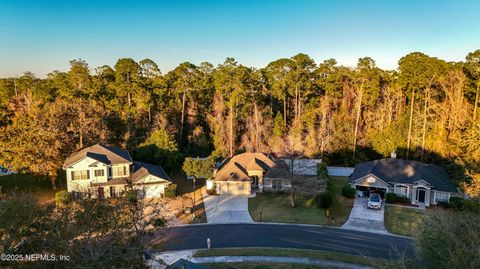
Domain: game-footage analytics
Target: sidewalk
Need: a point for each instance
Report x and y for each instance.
(162, 260)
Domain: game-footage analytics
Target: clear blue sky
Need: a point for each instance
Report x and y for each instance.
(41, 36)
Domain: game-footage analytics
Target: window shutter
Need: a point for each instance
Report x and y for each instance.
(88, 174)
(124, 171)
(73, 175)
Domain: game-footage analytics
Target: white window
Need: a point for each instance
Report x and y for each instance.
(99, 173)
(441, 197)
(80, 175)
(119, 171)
(401, 190)
(276, 184)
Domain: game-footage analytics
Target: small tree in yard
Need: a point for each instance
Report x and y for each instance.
(93, 233)
(171, 191)
(62, 198)
(348, 191)
(325, 199)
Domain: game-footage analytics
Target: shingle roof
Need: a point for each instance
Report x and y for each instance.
(140, 170)
(236, 167)
(405, 171)
(279, 170)
(184, 264)
(101, 153)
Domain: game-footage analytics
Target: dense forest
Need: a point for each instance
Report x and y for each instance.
(426, 110)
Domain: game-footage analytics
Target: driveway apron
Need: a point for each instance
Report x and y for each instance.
(367, 220)
(226, 209)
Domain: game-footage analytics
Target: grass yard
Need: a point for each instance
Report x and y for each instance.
(259, 265)
(341, 206)
(275, 207)
(38, 186)
(402, 220)
(284, 252)
(185, 198)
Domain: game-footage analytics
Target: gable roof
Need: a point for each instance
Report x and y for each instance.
(101, 153)
(184, 264)
(236, 168)
(140, 170)
(404, 171)
(232, 171)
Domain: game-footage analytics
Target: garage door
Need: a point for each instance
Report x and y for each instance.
(154, 191)
(234, 188)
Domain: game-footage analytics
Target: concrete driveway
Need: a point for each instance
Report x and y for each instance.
(223, 209)
(367, 220)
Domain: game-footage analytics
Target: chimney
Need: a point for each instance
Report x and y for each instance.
(393, 155)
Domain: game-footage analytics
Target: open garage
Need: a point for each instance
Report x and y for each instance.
(369, 184)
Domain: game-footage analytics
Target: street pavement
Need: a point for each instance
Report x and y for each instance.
(283, 236)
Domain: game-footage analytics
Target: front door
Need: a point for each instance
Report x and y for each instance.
(421, 196)
(101, 195)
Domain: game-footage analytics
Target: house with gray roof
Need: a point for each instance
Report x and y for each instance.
(102, 171)
(421, 183)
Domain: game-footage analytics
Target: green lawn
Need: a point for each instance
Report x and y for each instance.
(283, 252)
(259, 265)
(402, 220)
(275, 207)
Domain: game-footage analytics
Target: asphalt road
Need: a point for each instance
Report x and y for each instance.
(283, 236)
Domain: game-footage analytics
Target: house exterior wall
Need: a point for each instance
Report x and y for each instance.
(83, 185)
(151, 186)
(125, 166)
(233, 187)
(371, 182)
(268, 184)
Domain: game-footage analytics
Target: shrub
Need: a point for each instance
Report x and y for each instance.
(457, 203)
(160, 223)
(403, 200)
(171, 191)
(348, 191)
(443, 204)
(322, 172)
(326, 200)
(62, 198)
(391, 198)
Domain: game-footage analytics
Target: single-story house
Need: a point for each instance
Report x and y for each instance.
(248, 172)
(102, 171)
(421, 183)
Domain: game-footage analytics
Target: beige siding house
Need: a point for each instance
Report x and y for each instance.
(245, 173)
(102, 171)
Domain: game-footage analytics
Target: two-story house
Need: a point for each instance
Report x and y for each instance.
(104, 171)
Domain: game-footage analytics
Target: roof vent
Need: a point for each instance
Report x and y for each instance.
(393, 155)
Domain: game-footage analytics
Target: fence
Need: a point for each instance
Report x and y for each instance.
(338, 171)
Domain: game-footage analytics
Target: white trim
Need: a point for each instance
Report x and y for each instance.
(403, 185)
(353, 182)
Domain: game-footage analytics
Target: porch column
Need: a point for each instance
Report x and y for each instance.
(260, 183)
(414, 195)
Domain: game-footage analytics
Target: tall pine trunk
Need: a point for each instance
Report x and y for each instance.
(257, 128)
(476, 102)
(285, 110)
(410, 123)
(182, 120)
(424, 129)
(231, 129)
(357, 120)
